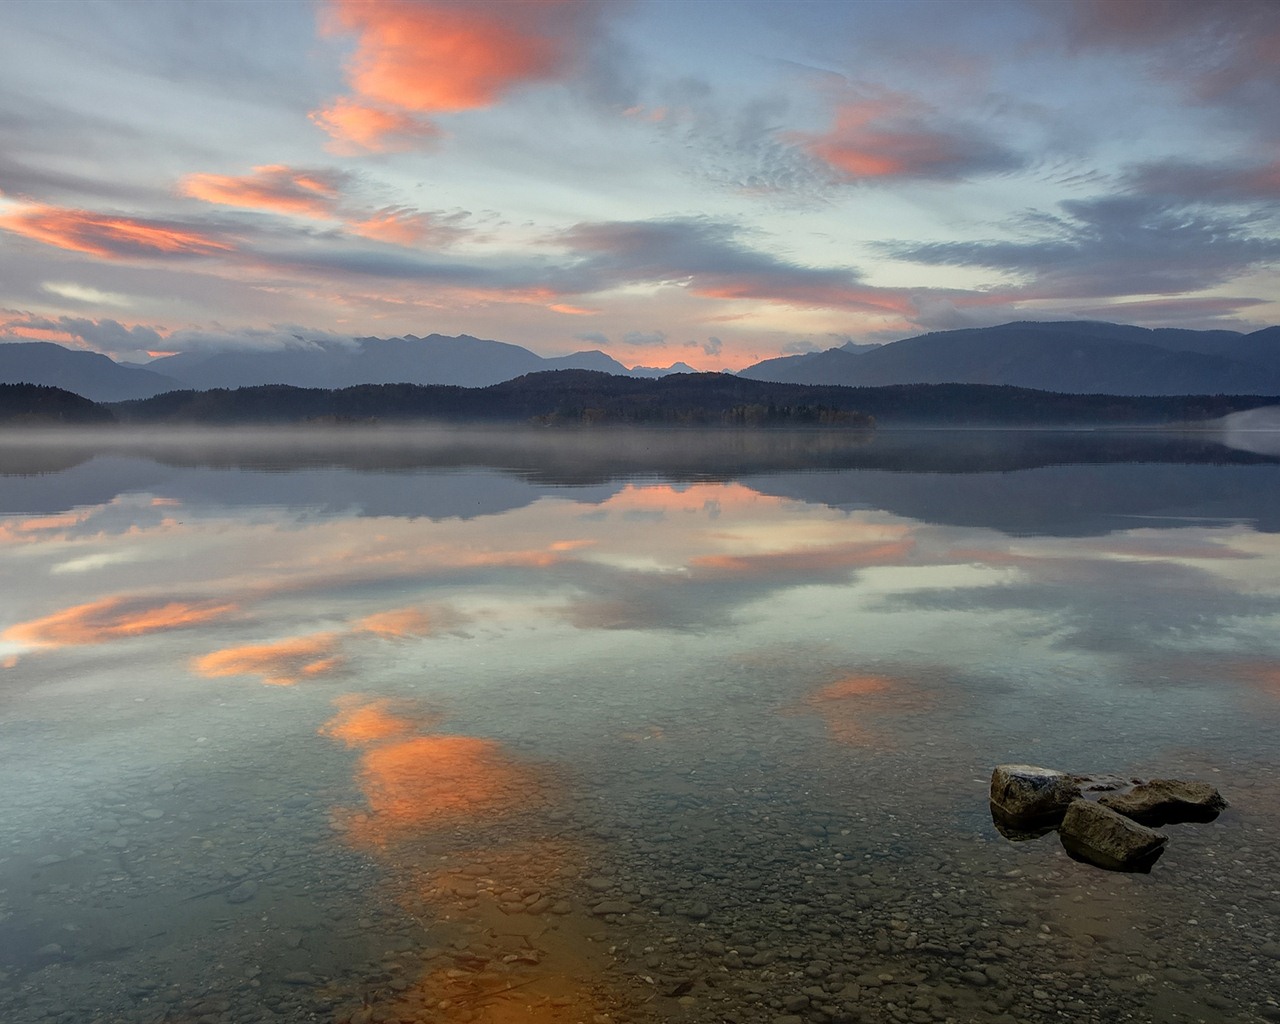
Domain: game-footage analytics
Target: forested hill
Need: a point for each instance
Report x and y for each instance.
(38, 404)
(582, 396)
(588, 397)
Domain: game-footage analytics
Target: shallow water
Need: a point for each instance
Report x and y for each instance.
(432, 726)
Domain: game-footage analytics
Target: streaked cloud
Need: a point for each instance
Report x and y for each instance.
(1113, 245)
(274, 187)
(109, 236)
(710, 258)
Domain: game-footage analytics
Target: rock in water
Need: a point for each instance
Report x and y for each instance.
(1099, 836)
(1028, 801)
(1167, 802)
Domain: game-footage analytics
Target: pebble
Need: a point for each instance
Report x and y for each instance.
(243, 892)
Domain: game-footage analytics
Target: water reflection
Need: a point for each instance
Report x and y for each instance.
(666, 738)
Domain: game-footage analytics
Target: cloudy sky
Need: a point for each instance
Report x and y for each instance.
(716, 181)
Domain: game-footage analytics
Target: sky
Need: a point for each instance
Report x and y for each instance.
(712, 181)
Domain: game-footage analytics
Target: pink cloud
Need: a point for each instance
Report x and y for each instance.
(414, 61)
(889, 135)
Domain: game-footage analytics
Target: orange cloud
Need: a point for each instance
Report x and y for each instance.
(282, 663)
(357, 126)
(444, 56)
(110, 237)
(113, 618)
(272, 187)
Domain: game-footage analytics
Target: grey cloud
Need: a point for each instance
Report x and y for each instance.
(101, 335)
(1208, 182)
(642, 339)
(1115, 245)
(257, 339)
(1225, 52)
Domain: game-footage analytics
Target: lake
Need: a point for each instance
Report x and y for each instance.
(465, 726)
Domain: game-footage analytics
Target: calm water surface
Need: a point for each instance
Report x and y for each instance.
(424, 726)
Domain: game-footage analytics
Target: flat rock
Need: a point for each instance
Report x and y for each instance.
(1098, 835)
(1026, 798)
(1167, 802)
(611, 907)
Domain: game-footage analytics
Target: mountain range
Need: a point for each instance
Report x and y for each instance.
(1074, 357)
(1071, 357)
(436, 359)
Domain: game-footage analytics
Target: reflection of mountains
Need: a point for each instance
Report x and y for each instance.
(1016, 482)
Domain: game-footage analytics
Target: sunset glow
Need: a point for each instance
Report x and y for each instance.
(707, 184)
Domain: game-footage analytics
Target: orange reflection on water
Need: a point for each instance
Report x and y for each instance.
(359, 722)
(398, 624)
(513, 946)
(113, 618)
(412, 783)
(856, 708)
(282, 663)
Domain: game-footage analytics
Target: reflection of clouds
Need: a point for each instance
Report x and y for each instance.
(40, 528)
(818, 563)
(710, 588)
(401, 623)
(421, 781)
(529, 956)
(360, 722)
(858, 709)
(281, 663)
(1104, 604)
(114, 618)
(412, 782)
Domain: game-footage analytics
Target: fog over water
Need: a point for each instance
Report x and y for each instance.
(660, 725)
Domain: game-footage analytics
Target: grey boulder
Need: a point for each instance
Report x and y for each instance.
(1167, 801)
(1098, 835)
(1027, 800)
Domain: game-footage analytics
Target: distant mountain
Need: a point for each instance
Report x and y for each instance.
(436, 359)
(660, 371)
(1070, 357)
(87, 374)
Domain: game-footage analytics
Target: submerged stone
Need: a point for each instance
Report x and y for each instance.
(1167, 802)
(1028, 800)
(1098, 835)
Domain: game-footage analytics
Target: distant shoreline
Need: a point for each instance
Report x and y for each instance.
(581, 398)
